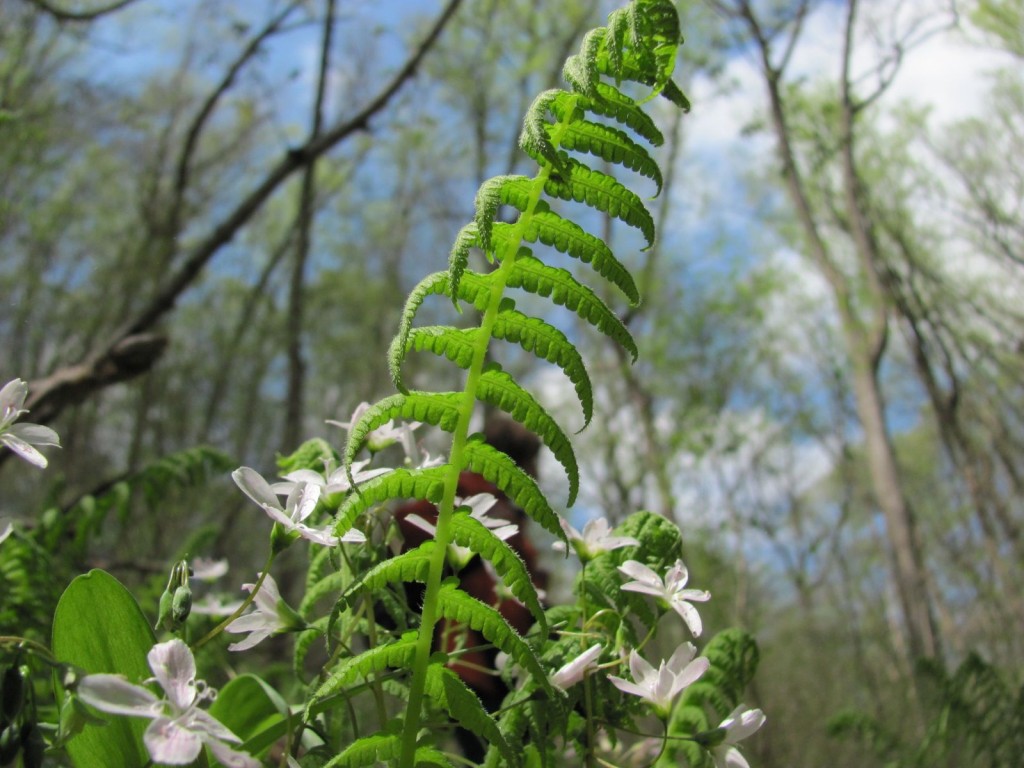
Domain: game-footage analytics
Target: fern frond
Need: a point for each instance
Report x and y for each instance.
(571, 239)
(500, 390)
(580, 69)
(493, 193)
(457, 344)
(603, 193)
(397, 484)
(499, 469)
(469, 532)
(647, 54)
(456, 605)
(411, 566)
(547, 342)
(397, 655)
(612, 103)
(451, 694)
(611, 145)
(458, 259)
(368, 751)
(534, 276)
(535, 139)
(440, 409)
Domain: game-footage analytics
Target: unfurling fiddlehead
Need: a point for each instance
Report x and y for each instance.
(636, 51)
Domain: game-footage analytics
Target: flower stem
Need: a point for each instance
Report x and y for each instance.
(241, 609)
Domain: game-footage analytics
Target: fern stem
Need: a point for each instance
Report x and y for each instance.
(460, 436)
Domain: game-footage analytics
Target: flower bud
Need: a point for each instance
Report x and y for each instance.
(181, 605)
(164, 619)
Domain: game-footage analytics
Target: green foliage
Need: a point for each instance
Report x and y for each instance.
(99, 627)
(976, 721)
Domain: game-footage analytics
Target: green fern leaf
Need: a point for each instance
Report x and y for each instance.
(411, 566)
(602, 192)
(493, 193)
(569, 238)
(368, 751)
(396, 655)
(612, 103)
(535, 139)
(647, 53)
(456, 605)
(580, 70)
(385, 747)
(533, 276)
(547, 342)
(438, 408)
(397, 484)
(465, 240)
(499, 469)
(499, 389)
(469, 532)
(451, 694)
(474, 288)
(456, 344)
(611, 145)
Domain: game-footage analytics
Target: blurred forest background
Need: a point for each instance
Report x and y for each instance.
(211, 212)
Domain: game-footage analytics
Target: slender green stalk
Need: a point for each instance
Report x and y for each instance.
(241, 609)
(443, 535)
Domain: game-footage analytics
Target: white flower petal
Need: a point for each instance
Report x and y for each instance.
(36, 434)
(255, 487)
(115, 695)
(175, 669)
(23, 449)
(573, 672)
(171, 744)
(232, 758)
(640, 572)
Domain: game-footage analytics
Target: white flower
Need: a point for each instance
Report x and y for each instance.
(737, 726)
(660, 686)
(334, 479)
(301, 502)
(671, 590)
(21, 438)
(479, 505)
(571, 673)
(205, 569)
(5, 530)
(384, 435)
(179, 728)
(595, 539)
(272, 616)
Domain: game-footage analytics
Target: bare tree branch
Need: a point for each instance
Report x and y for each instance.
(49, 396)
(79, 16)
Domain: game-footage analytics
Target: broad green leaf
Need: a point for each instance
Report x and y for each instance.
(99, 627)
(247, 705)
